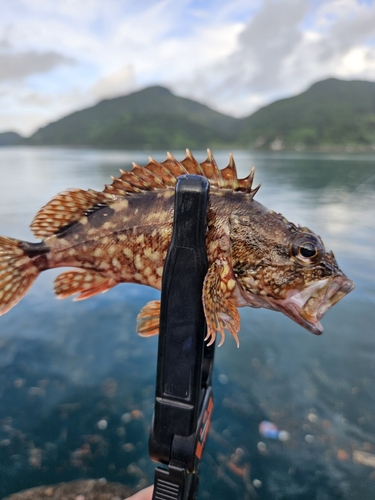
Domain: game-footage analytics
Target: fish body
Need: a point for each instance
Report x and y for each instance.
(122, 234)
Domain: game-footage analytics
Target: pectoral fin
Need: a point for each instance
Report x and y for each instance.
(219, 311)
(85, 283)
(148, 319)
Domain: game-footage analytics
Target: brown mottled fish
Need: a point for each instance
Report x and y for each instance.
(121, 235)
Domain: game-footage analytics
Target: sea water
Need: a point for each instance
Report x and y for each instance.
(77, 384)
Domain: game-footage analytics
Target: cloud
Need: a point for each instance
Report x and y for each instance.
(242, 79)
(285, 47)
(118, 47)
(22, 64)
(234, 56)
(115, 84)
(265, 43)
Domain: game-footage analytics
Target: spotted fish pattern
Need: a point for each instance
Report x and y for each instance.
(122, 234)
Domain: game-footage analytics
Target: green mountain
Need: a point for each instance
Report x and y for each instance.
(9, 138)
(330, 113)
(152, 118)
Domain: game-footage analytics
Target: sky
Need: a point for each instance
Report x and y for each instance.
(235, 56)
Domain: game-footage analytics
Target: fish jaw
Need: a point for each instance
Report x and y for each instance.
(306, 307)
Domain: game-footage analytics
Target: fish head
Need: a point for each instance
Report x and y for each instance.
(284, 267)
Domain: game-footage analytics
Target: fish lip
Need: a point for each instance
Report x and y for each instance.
(315, 328)
(307, 306)
(318, 303)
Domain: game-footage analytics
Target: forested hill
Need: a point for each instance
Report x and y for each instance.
(9, 138)
(331, 114)
(151, 118)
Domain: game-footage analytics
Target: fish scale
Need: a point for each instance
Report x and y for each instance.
(122, 234)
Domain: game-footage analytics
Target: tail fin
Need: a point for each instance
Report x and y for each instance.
(17, 273)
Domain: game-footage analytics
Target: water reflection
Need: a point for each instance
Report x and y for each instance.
(65, 367)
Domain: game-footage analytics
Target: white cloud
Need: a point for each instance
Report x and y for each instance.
(285, 47)
(234, 56)
(357, 61)
(115, 84)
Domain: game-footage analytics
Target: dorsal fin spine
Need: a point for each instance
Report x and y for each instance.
(229, 175)
(191, 164)
(173, 166)
(148, 177)
(211, 170)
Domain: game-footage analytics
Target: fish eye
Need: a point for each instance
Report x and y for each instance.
(307, 249)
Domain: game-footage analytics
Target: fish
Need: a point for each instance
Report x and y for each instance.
(256, 257)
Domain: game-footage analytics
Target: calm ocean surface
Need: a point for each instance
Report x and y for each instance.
(77, 384)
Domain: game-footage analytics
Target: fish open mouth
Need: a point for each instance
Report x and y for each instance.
(308, 306)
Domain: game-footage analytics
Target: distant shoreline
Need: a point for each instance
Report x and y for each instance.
(349, 148)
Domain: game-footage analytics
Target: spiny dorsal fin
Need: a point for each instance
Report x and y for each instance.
(66, 208)
(147, 176)
(161, 171)
(154, 176)
(163, 175)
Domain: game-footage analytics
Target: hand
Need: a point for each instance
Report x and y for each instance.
(145, 494)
